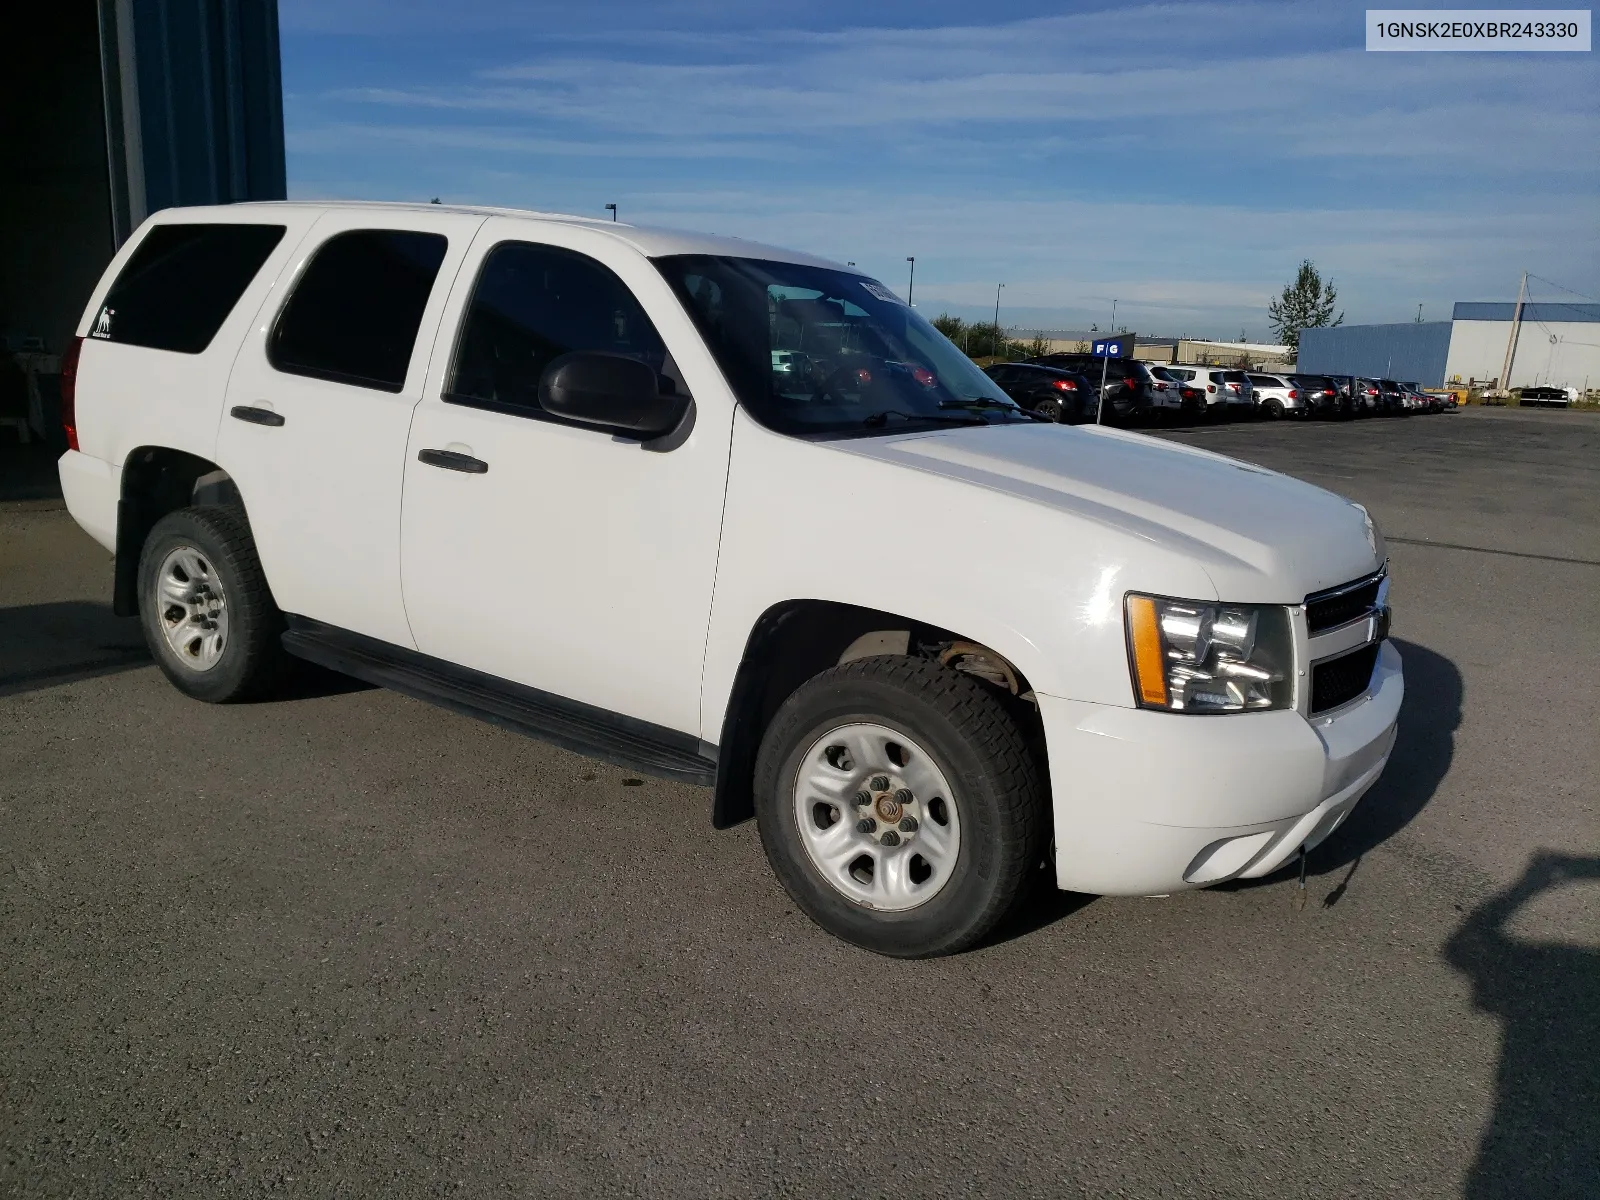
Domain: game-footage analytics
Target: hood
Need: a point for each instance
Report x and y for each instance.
(1259, 535)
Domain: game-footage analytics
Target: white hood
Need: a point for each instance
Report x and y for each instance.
(1259, 535)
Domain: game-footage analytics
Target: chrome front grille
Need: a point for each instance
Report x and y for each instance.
(1345, 626)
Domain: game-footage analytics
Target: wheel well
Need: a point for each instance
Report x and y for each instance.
(157, 480)
(799, 639)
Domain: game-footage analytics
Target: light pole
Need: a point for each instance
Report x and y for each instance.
(996, 346)
(1105, 363)
(912, 282)
(612, 209)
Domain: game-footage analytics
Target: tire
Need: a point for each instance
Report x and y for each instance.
(977, 845)
(1050, 409)
(200, 565)
(1272, 409)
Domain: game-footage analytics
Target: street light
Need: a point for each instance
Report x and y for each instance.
(612, 209)
(912, 282)
(997, 288)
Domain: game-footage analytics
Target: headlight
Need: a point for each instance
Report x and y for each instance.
(1192, 656)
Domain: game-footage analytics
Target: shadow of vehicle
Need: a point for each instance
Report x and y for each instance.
(43, 645)
(1429, 718)
(1543, 1138)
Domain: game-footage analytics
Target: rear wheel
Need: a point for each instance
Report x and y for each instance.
(899, 805)
(1272, 409)
(1050, 409)
(207, 612)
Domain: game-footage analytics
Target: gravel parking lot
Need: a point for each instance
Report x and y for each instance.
(345, 943)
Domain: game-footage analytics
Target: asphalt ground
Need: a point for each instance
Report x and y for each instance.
(343, 943)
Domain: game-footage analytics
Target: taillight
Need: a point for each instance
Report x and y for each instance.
(1211, 387)
(69, 392)
(1063, 385)
(863, 376)
(1293, 395)
(921, 374)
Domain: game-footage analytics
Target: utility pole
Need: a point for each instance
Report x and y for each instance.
(996, 346)
(1105, 363)
(912, 282)
(1419, 314)
(1503, 384)
(612, 209)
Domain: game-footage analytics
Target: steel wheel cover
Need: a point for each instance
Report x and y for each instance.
(877, 817)
(192, 608)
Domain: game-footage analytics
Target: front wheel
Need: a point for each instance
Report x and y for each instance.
(899, 805)
(207, 612)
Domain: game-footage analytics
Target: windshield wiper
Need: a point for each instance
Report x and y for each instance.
(882, 418)
(984, 404)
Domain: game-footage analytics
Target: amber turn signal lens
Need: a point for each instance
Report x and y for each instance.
(1145, 637)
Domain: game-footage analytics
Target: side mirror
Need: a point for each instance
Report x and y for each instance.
(610, 390)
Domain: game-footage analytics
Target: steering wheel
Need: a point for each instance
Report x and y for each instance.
(830, 383)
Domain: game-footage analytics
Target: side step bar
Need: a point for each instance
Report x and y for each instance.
(582, 728)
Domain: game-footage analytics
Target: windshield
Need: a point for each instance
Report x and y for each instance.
(816, 350)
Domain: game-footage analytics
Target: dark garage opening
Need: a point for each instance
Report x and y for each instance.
(112, 110)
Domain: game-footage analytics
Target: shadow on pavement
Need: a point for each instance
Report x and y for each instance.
(1429, 718)
(42, 645)
(1543, 1138)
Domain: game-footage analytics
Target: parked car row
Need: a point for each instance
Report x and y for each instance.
(1071, 388)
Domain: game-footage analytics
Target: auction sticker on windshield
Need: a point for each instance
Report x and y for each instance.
(879, 292)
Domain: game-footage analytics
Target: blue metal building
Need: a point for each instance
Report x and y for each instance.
(111, 110)
(1412, 351)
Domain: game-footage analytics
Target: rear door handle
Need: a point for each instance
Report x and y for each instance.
(256, 416)
(452, 461)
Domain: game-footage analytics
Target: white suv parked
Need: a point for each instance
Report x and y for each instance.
(731, 515)
(1277, 397)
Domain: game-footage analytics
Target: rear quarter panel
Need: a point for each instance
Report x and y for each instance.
(132, 396)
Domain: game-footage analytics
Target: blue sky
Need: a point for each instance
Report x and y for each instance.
(1181, 158)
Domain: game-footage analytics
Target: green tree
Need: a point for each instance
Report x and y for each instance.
(1307, 303)
(1039, 347)
(950, 326)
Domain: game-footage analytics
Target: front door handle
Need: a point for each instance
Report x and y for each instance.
(256, 416)
(451, 461)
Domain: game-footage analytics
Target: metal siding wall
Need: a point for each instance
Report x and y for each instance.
(1478, 349)
(199, 84)
(1410, 351)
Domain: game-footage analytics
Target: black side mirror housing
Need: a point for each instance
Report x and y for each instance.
(610, 390)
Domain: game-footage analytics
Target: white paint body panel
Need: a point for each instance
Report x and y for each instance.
(588, 566)
(323, 489)
(595, 555)
(91, 487)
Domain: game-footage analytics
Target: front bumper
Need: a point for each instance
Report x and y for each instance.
(1152, 802)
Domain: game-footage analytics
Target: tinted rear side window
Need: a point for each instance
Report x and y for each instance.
(354, 314)
(181, 284)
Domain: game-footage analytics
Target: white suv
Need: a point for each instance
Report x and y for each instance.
(1227, 390)
(731, 515)
(1277, 397)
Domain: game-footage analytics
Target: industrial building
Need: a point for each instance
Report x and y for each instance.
(1189, 351)
(1556, 345)
(111, 110)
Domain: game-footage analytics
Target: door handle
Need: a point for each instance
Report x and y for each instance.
(451, 461)
(256, 416)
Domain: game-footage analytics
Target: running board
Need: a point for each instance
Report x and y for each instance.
(581, 728)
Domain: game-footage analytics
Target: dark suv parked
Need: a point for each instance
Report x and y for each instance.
(1063, 396)
(1129, 391)
(1392, 399)
(1323, 397)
